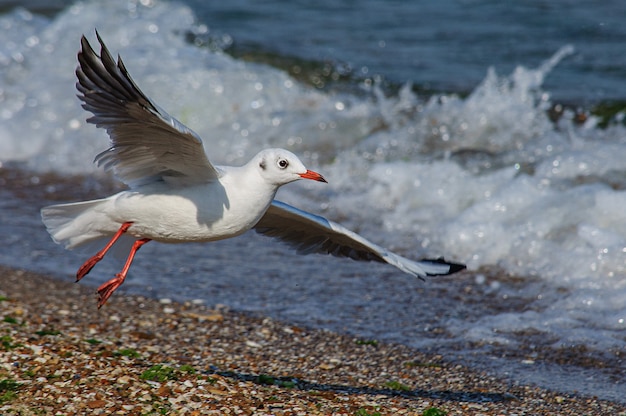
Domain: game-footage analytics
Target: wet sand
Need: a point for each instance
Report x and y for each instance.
(60, 354)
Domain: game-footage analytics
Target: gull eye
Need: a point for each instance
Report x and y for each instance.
(282, 163)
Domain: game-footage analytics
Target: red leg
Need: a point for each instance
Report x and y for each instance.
(106, 290)
(88, 265)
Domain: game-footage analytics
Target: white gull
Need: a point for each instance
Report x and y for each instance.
(176, 195)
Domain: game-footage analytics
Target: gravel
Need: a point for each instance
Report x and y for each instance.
(59, 354)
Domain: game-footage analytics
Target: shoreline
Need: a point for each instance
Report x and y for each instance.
(142, 356)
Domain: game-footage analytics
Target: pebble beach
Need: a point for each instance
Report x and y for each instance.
(60, 355)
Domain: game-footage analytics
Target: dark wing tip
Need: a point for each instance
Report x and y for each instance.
(454, 267)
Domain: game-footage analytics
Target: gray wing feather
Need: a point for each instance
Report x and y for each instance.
(147, 144)
(310, 233)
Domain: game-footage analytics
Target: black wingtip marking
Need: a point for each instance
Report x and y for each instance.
(454, 267)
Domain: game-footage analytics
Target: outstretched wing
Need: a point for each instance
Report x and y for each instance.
(147, 144)
(310, 233)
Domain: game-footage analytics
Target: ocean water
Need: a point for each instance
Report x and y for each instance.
(436, 129)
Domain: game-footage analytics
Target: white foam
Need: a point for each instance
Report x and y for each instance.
(543, 204)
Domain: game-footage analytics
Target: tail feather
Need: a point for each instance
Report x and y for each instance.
(73, 225)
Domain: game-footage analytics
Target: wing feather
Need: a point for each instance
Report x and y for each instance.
(310, 233)
(147, 144)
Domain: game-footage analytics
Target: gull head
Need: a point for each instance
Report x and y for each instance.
(280, 166)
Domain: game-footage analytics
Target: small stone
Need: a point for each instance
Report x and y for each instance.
(96, 404)
(164, 391)
(332, 363)
(219, 392)
(123, 380)
(214, 317)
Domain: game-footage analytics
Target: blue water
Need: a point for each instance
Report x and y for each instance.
(442, 45)
(435, 137)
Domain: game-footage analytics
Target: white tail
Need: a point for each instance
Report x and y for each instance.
(72, 225)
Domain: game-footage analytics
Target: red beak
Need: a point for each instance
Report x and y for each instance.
(309, 174)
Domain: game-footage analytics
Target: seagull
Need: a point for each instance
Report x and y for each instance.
(176, 195)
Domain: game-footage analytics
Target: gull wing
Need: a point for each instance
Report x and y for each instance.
(147, 144)
(310, 233)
